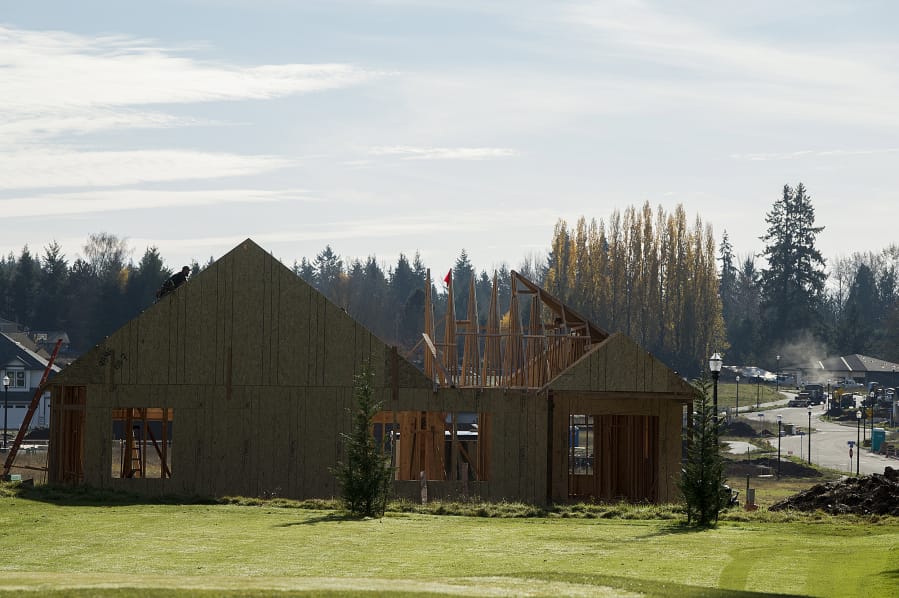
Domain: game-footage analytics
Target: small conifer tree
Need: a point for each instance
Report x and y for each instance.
(365, 476)
(702, 482)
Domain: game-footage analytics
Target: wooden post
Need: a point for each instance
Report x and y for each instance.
(465, 480)
(424, 487)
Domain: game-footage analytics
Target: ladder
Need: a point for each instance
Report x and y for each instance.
(135, 468)
(32, 407)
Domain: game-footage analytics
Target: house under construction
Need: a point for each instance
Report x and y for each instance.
(241, 382)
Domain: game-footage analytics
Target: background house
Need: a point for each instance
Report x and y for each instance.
(241, 381)
(859, 368)
(24, 367)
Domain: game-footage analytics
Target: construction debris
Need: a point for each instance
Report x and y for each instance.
(875, 494)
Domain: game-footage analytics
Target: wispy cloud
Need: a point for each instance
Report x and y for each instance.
(813, 154)
(47, 168)
(122, 71)
(58, 83)
(834, 82)
(364, 230)
(66, 204)
(406, 152)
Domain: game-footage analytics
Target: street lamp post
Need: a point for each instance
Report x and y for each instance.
(5, 406)
(738, 396)
(858, 444)
(779, 434)
(809, 435)
(777, 376)
(864, 424)
(758, 388)
(715, 368)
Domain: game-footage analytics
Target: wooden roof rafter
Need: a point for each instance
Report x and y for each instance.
(505, 353)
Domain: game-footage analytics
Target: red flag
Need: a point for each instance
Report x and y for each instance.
(449, 275)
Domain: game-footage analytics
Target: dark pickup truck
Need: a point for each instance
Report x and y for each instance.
(815, 393)
(801, 399)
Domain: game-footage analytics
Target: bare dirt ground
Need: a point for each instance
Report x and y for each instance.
(875, 494)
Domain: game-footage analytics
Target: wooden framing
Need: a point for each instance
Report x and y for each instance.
(259, 368)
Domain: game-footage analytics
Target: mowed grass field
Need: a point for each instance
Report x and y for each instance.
(95, 545)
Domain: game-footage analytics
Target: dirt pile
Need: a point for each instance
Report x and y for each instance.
(875, 494)
(768, 466)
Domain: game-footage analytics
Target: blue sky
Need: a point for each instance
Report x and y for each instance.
(401, 126)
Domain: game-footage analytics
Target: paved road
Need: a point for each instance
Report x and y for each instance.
(829, 440)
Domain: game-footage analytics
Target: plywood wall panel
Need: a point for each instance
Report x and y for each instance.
(319, 435)
(316, 340)
(296, 434)
(294, 304)
(153, 351)
(246, 318)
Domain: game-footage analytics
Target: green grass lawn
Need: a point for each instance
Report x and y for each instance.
(54, 547)
(749, 394)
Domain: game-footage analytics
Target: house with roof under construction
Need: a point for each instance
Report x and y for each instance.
(241, 383)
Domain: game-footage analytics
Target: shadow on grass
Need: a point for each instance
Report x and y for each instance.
(646, 587)
(327, 518)
(85, 496)
(678, 527)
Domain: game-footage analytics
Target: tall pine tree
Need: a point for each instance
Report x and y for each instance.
(793, 281)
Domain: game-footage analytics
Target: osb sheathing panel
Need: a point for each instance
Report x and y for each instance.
(618, 364)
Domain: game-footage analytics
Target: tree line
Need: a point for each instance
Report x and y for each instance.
(89, 297)
(658, 277)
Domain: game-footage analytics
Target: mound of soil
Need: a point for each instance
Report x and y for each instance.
(763, 465)
(739, 429)
(874, 494)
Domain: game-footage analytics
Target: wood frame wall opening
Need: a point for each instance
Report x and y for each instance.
(142, 442)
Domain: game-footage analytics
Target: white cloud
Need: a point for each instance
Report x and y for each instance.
(62, 204)
(760, 157)
(109, 71)
(60, 82)
(40, 168)
(442, 153)
(834, 81)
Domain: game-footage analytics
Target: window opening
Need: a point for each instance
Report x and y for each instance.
(446, 446)
(142, 442)
(581, 445)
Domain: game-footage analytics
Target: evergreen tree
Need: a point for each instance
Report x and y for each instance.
(145, 280)
(25, 288)
(50, 309)
(861, 314)
(365, 477)
(327, 267)
(702, 482)
(81, 290)
(304, 270)
(793, 282)
(744, 331)
(727, 282)
(462, 271)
